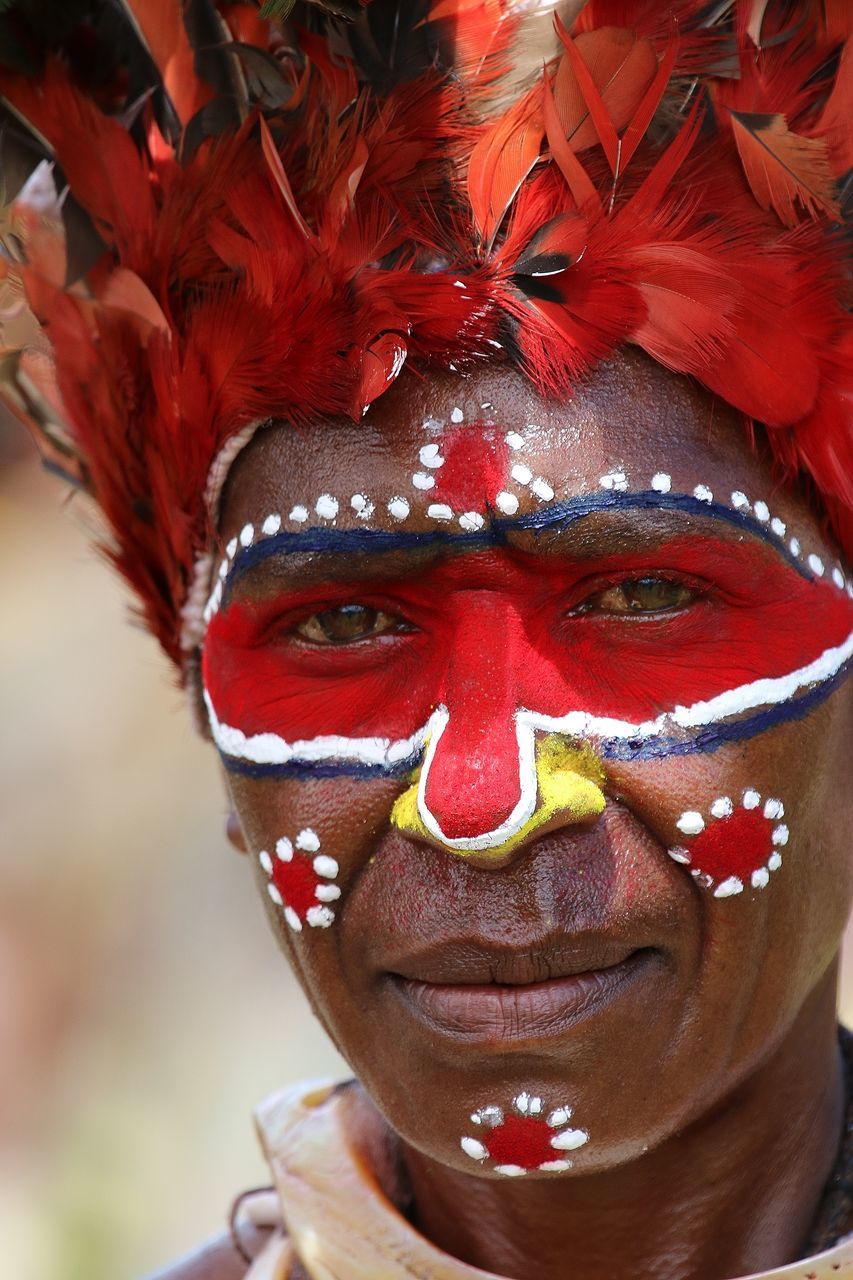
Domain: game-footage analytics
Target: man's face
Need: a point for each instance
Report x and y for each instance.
(533, 720)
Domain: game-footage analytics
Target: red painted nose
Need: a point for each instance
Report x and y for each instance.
(473, 782)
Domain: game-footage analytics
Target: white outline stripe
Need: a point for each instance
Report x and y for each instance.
(269, 748)
(524, 807)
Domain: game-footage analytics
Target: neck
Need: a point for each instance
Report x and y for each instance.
(735, 1193)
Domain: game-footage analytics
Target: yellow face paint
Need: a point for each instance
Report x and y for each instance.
(569, 784)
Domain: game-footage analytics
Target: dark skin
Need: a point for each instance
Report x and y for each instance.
(710, 1149)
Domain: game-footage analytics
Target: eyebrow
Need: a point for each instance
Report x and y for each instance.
(555, 518)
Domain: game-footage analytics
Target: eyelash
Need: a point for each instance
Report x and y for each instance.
(597, 586)
(585, 591)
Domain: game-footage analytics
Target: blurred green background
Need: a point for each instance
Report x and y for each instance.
(143, 1005)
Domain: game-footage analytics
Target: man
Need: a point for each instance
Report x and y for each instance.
(514, 690)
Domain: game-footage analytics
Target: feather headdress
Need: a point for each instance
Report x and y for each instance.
(253, 230)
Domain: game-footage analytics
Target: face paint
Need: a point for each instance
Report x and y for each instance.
(499, 656)
(504, 697)
(738, 845)
(301, 880)
(476, 469)
(525, 1138)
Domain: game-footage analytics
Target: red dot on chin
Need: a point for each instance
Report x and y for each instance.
(521, 1140)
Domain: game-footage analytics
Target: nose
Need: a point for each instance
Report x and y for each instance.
(558, 782)
(489, 777)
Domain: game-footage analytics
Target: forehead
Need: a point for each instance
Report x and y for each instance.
(448, 456)
(631, 414)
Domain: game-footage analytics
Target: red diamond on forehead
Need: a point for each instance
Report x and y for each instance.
(734, 846)
(521, 1140)
(475, 468)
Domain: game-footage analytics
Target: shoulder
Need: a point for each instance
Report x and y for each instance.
(215, 1260)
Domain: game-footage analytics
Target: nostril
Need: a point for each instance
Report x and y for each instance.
(485, 790)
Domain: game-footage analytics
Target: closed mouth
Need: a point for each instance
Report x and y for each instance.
(515, 1010)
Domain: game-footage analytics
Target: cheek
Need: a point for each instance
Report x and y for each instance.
(722, 818)
(308, 839)
(763, 823)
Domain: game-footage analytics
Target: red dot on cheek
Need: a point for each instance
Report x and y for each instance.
(734, 846)
(297, 882)
(521, 1140)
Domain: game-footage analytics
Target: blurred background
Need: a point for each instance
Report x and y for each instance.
(143, 1006)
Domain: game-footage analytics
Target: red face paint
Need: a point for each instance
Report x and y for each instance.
(474, 470)
(737, 846)
(520, 1140)
(524, 1138)
(301, 881)
(494, 632)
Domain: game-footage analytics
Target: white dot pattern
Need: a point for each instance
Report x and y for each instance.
(326, 507)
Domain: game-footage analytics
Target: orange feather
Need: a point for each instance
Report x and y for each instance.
(161, 25)
(784, 168)
(622, 69)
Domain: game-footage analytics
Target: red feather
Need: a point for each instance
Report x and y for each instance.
(654, 186)
(621, 67)
(646, 108)
(66, 117)
(690, 296)
(837, 20)
(702, 49)
(752, 18)
(577, 179)
(501, 160)
(480, 33)
(834, 125)
(279, 177)
(289, 266)
(595, 104)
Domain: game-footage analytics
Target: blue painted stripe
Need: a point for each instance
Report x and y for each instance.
(703, 742)
(713, 737)
(558, 515)
(566, 513)
(325, 769)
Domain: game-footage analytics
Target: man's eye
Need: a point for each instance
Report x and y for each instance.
(639, 595)
(347, 623)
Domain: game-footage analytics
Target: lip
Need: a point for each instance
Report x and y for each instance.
(505, 997)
